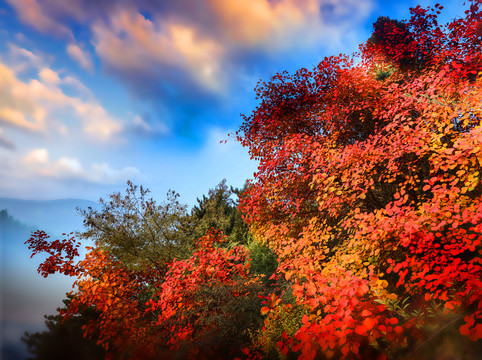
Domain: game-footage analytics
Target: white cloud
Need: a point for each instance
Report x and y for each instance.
(97, 122)
(82, 57)
(140, 124)
(66, 168)
(32, 106)
(49, 76)
(36, 156)
(20, 59)
(20, 37)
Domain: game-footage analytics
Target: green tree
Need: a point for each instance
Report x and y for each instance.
(64, 339)
(138, 232)
(219, 210)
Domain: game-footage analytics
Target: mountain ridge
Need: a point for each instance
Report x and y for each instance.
(25, 296)
(45, 214)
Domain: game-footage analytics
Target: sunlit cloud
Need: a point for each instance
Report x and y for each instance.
(32, 13)
(49, 76)
(21, 60)
(82, 57)
(38, 162)
(264, 22)
(130, 42)
(164, 49)
(31, 105)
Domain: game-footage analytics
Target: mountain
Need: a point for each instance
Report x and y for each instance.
(25, 296)
(53, 216)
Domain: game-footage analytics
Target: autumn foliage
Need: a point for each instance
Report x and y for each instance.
(369, 192)
(142, 318)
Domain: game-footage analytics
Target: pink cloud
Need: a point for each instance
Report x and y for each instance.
(130, 42)
(31, 106)
(82, 57)
(33, 14)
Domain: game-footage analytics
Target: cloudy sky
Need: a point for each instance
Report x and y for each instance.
(93, 93)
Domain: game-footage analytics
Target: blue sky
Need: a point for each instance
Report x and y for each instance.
(93, 93)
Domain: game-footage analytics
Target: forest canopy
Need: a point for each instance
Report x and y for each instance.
(358, 238)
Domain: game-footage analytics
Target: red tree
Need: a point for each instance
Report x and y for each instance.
(369, 188)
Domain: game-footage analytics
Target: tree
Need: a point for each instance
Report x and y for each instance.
(138, 232)
(219, 210)
(209, 302)
(205, 306)
(10, 228)
(116, 292)
(210, 295)
(369, 191)
(64, 339)
(135, 241)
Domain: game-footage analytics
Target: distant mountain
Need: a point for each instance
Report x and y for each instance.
(25, 296)
(11, 228)
(53, 216)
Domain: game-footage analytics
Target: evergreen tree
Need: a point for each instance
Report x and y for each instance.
(64, 339)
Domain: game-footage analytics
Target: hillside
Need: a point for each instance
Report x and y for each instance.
(25, 295)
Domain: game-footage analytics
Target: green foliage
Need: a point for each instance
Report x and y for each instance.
(282, 323)
(64, 339)
(263, 259)
(136, 242)
(219, 210)
(138, 232)
(368, 192)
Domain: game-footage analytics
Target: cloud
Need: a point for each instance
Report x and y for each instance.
(132, 43)
(33, 106)
(263, 22)
(38, 162)
(143, 127)
(17, 108)
(49, 76)
(21, 60)
(80, 56)
(174, 48)
(37, 156)
(33, 14)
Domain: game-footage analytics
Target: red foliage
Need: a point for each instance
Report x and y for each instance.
(57, 261)
(180, 308)
(126, 325)
(369, 191)
(369, 186)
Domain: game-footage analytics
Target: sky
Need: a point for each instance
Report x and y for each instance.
(94, 93)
